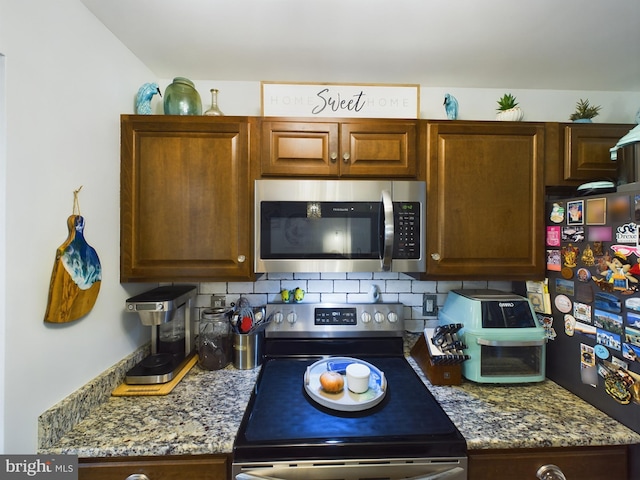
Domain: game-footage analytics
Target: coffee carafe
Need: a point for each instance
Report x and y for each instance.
(169, 311)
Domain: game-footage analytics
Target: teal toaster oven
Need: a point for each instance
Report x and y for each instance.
(504, 339)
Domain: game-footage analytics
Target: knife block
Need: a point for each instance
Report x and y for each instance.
(437, 374)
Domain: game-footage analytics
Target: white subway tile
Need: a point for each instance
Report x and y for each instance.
(418, 286)
(320, 286)
(346, 286)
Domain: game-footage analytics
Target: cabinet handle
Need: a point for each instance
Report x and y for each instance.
(137, 476)
(436, 256)
(550, 472)
(346, 157)
(241, 258)
(333, 157)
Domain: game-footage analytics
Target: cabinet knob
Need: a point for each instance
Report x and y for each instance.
(137, 476)
(436, 256)
(550, 472)
(241, 258)
(346, 157)
(333, 157)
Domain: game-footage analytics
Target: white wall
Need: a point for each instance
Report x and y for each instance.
(67, 81)
(243, 98)
(3, 257)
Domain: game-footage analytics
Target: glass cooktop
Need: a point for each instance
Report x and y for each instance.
(282, 419)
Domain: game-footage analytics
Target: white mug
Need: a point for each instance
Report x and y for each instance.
(358, 377)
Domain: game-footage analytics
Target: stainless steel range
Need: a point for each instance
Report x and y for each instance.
(293, 429)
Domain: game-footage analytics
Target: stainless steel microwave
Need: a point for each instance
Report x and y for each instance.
(339, 226)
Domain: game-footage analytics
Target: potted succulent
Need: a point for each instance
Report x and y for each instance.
(584, 112)
(508, 109)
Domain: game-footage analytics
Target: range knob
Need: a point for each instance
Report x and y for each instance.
(292, 317)
(393, 317)
(365, 317)
(378, 317)
(278, 317)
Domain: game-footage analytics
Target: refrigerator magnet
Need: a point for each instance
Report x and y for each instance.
(569, 325)
(601, 351)
(557, 213)
(563, 304)
(575, 211)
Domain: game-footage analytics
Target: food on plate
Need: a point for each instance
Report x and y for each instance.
(331, 382)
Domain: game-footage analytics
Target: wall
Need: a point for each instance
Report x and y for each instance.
(243, 98)
(67, 81)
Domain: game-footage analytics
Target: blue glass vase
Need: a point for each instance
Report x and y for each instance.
(182, 98)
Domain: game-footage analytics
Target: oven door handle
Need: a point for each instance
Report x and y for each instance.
(388, 231)
(454, 472)
(250, 476)
(450, 473)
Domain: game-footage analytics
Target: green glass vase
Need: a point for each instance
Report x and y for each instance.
(182, 98)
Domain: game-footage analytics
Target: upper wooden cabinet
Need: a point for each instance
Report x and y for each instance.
(185, 199)
(485, 200)
(579, 152)
(354, 148)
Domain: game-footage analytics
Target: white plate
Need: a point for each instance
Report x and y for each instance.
(346, 400)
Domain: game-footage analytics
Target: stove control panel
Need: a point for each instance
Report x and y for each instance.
(308, 320)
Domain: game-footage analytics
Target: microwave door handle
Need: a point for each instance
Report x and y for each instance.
(388, 233)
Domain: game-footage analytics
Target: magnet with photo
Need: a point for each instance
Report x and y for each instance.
(596, 211)
(574, 234)
(575, 212)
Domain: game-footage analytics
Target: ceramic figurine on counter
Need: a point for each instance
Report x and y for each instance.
(143, 99)
(285, 295)
(451, 106)
(298, 295)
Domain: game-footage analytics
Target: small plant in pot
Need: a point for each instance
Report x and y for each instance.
(584, 112)
(508, 109)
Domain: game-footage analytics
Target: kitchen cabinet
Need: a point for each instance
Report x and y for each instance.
(579, 152)
(194, 467)
(585, 463)
(485, 200)
(185, 200)
(354, 148)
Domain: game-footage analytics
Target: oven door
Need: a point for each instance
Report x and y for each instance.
(382, 469)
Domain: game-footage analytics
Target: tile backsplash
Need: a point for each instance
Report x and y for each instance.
(344, 288)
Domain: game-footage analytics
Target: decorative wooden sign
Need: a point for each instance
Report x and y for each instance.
(77, 274)
(339, 100)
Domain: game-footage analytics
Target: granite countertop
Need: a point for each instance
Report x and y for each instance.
(203, 413)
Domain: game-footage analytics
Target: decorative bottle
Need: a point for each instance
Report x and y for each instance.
(214, 111)
(182, 98)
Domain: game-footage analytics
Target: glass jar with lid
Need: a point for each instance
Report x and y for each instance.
(214, 339)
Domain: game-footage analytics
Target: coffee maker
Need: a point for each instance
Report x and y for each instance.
(169, 311)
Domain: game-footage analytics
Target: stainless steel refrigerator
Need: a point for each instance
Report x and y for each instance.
(592, 300)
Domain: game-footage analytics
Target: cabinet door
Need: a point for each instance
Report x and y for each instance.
(485, 200)
(378, 149)
(299, 148)
(185, 199)
(196, 467)
(586, 463)
(586, 150)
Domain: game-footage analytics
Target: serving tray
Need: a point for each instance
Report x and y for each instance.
(346, 400)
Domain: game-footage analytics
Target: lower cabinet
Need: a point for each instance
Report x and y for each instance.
(584, 463)
(196, 467)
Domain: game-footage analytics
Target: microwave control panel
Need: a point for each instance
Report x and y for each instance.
(407, 229)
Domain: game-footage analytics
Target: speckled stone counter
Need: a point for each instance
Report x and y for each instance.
(203, 413)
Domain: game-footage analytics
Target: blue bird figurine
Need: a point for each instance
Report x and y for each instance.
(451, 106)
(143, 99)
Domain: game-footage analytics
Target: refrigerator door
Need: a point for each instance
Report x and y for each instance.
(594, 282)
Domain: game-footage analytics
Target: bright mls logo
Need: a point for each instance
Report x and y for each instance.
(52, 467)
